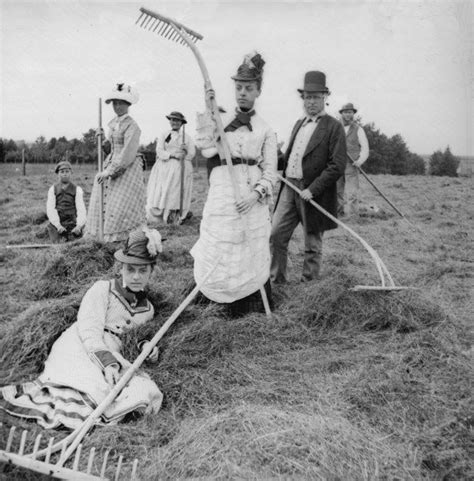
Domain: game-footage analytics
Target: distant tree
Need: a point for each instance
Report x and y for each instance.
(52, 143)
(416, 165)
(10, 145)
(444, 163)
(378, 146)
(398, 156)
(2, 151)
(39, 150)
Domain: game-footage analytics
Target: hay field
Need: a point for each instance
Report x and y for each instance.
(339, 386)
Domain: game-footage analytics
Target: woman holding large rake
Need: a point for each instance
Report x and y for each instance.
(119, 189)
(238, 230)
(85, 362)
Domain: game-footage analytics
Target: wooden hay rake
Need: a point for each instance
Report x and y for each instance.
(176, 31)
(40, 460)
(386, 280)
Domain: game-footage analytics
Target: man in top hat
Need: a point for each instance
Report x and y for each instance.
(168, 193)
(65, 206)
(357, 154)
(314, 160)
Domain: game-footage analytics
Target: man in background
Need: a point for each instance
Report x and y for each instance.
(357, 154)
(65, 206)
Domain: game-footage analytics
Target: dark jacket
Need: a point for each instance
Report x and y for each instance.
(324, 161)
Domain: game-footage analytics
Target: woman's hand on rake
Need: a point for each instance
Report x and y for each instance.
(112, 374)
(101, 177)
(247, 203)
(153, 356)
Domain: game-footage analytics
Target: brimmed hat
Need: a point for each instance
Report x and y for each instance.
(141, 248)
(177, 116)
(314, 81)
(62, 165)
(123, 91)
(348, 106)
(251, 69)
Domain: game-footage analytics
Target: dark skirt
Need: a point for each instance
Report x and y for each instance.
(251, 303)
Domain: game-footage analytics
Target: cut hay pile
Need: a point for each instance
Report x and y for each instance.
(339, 385)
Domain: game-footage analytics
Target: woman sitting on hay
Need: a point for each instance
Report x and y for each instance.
(85, 362)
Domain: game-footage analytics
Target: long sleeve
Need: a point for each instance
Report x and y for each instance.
(336, 163)
(161, 151)
(127, 155)
(51, 211)
(91, 323)
(80, 208)
(364, 146)
(268, 165)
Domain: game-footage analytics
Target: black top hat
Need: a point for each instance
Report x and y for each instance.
(314, 81)
(177, 116)
(251, 69)
(348, 106)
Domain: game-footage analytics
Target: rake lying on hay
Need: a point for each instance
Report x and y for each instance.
(71, 443)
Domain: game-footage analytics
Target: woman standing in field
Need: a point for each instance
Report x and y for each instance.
(85, 361)
(169, 189)
(238, 232)
(122, 177)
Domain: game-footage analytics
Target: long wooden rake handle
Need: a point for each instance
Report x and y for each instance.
(90, 421)
(100, 162)
(185, 35)
(381, 268)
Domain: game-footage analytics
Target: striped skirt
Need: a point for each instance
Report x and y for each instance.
(241, 243)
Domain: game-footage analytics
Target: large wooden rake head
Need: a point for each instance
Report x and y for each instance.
(41, 460)
(166, 27)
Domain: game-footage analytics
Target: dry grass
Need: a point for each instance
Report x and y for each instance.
(339, 385)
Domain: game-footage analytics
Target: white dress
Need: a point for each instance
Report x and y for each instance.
(164, 184)
(240, 242)
(72, 383)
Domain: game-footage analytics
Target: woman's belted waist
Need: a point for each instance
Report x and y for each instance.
(217, 162)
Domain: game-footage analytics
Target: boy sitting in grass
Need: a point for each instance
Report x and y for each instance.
(65, 207)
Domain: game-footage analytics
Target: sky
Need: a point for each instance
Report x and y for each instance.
(406, 65)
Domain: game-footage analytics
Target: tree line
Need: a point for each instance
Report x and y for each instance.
(388, 155)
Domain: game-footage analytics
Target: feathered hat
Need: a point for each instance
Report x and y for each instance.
(251, 69)
(141, 248)
(124, 92)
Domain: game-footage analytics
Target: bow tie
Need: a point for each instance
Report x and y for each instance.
(241, 119)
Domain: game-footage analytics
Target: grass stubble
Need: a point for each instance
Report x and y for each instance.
(339, 385)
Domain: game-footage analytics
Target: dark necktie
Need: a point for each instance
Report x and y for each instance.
(241, 119)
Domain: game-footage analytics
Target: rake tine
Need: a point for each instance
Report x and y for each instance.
(91, 460)
(162, 28)
(140, 17)
(75, 465)
(104, 463)
(144, 20)
(133, 476)
(158, 24)
(10, 438)
(148, 20)
(166, 30)
(149, 27)
(48, 450)
(170, 33)
(174, 35)
(37, 445)
(119, 467)
(63, 449)
(22, 442)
